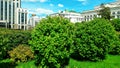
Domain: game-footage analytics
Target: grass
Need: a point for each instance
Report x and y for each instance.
(29, 64)
(110, 62)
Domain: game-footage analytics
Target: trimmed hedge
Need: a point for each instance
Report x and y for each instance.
(93, 40)
(51, 41)
(9, 39)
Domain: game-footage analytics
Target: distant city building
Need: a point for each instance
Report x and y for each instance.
(90, 14)
(12, 15)
(71, 15)
(33, 21)
(114, 8)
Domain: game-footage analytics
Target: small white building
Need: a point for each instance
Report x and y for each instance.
(72, 16)
(33, 21)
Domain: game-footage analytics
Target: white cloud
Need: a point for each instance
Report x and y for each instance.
(40, 11)
(35, 0)
(43, 0)
(51, 5)
(84, 2)
(81, 0)
(60, 5)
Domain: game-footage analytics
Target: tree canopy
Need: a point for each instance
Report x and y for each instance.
(104, 12)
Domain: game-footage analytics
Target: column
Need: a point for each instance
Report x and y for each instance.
(20, 19)
(12, 14)
(8, 13)
(24, 20)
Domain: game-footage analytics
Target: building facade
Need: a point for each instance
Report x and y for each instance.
(11, 14)
(72, 16)
(33, 21)
(90, 14)
(114, 8)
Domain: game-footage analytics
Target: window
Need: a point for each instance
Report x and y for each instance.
(118, 12)
(113, 13)
(1, 10)
(17, 5)
(9, 11)
(22, 18)
(5, 10)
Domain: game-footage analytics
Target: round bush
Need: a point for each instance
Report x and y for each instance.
(51, 42)
(21, 53)
(93, 40)
(116, 24)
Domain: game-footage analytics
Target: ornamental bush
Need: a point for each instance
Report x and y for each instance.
(51, 42)
(93, 40)
(116, 24)
(21, 53)
(10, 39)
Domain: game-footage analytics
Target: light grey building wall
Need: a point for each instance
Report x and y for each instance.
(114, 8)
(33, 21)
(9, 13)
(72, 16)
(21, 19)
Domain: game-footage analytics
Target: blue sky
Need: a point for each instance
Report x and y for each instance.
(44, 7)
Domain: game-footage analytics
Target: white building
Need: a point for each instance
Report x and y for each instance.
(90, 14)
(33, 21)
(21, 19)
(12, 14)
(114, 8)
(72, 16)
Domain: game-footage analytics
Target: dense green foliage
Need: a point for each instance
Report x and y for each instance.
(116, 24)
(93, 40)
(9, 39)
(104, 12)
(51, 41)
(116, 47)
(21, 53)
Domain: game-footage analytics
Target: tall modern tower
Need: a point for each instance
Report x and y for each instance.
(12, 15)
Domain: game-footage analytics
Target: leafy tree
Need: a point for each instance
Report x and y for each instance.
(116, 24)
(104, 12)
(51, 42)
(93, 40)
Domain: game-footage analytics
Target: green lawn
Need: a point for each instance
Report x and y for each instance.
(110, 62)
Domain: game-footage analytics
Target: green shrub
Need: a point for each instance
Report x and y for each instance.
(21, 53)
(9, 39)
(115, 50)
(116, 24)
(116, 47)
(51, 41)
(93, 40)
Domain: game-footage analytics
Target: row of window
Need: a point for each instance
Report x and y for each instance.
(118, 12)
(90, 16)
